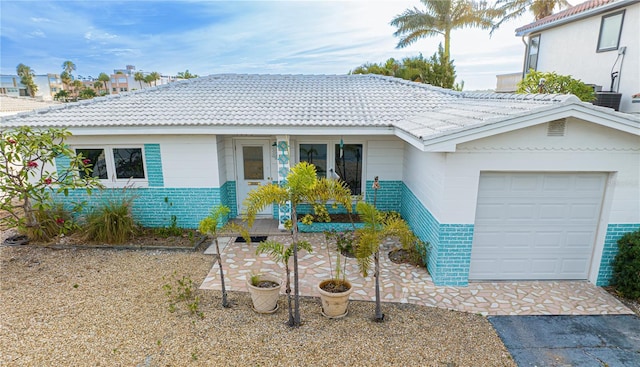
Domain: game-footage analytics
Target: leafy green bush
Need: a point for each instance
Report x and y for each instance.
(551, 83)
(626, 265)
(112, 222)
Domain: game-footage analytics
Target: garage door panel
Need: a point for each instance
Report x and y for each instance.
(536, 225)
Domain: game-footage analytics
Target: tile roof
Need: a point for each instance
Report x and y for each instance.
(13, 105)
(572, 12)
(284, 101)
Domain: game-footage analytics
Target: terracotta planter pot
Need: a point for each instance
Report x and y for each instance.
(265, 300)
(334, 305)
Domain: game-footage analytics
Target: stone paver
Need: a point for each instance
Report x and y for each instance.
(408, 284)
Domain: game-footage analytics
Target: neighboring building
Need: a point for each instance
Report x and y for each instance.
(597, 42)
(508, 83)
(502, 186)
(48, 86)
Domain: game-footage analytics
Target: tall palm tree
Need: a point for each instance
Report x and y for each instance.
(26, 75)
(154, 77)
(104, 78)
(66, 79)
(139, 77)
(440, 17)
(69, 66)
(511, 9)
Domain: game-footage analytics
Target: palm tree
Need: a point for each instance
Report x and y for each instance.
(69, 67)
(66, 79)
(104, 78)
(139, 77)
(511, 9)
(77, 86)
(212, 225)
(370, 237)
(439, 18)
(26, 75)
(302, 186)
(153, 77)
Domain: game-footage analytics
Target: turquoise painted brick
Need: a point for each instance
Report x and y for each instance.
(610, 250)
(449, 256)
(62, 164)
(153, 207)
(153, 160)
(388, 197)
(228, 197)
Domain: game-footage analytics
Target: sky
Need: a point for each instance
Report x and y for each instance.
(244, 37)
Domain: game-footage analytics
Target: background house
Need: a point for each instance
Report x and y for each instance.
(502, 186)
(597, 42)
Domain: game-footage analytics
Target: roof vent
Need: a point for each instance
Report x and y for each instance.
(556, 128)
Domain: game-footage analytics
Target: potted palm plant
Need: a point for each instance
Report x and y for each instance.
(302, 186)
(280, 253)
(335, 292)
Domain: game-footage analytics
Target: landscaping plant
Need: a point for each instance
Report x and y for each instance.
(29, 178)
(112, 221)
(301, 186)
(370, 237)
(281, 253)
(212, 225)
(626, 266)
(552, 83)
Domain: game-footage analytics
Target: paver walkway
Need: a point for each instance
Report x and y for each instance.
(408, 284)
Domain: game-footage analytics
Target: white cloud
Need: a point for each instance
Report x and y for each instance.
(98, 36)
(38, 33)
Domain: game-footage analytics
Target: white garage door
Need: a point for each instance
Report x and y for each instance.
(535, 225)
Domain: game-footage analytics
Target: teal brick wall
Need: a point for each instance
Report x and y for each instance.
(154, 165)
(153, 207)
(228, 197)
(449, 254)
(388, 197)
(610, 250)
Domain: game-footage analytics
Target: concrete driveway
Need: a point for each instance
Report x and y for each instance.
(602, 340)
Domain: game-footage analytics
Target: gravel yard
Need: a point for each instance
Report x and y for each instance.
(99, 307)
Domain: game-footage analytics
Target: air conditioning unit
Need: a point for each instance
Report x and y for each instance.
(608, 99)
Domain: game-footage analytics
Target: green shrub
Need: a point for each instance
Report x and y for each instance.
(112, 222)
(552, 83)
(53, 220)
(626, 266)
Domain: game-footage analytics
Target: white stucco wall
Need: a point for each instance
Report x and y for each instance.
(570, 49)
(586, 147)
(384, 158)
(424, 174)
(188, 161)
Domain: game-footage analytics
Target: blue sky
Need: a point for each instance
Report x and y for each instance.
(210, 37)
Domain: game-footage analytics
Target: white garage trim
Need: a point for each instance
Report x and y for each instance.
(536, 225)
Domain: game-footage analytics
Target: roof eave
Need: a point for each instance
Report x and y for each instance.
(600, 115)
(575, 17)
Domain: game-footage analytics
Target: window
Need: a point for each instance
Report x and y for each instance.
(610, 29)
(345, 160)
(115, 163)
(114, 89)
(315, 154)
(532, 55)
(349, 166)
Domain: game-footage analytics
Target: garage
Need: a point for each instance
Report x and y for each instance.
(531, 226)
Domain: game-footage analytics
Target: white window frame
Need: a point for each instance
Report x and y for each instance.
(331, 156)
(604, 19)
(112, 180)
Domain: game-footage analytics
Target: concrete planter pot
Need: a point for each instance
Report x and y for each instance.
(334, 305)
(265, 300)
